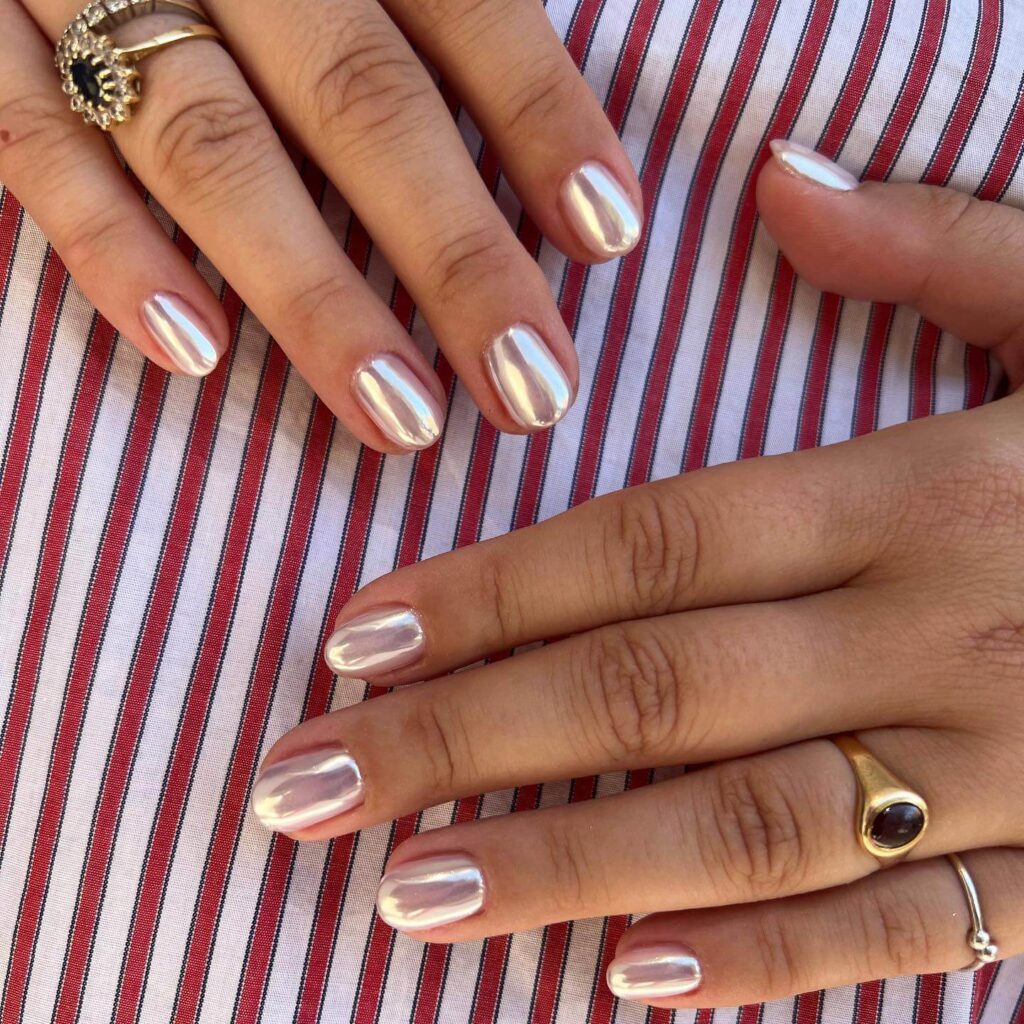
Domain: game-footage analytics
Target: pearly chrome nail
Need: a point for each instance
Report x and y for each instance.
(178, 329)
(431, 892)
(600, 210)
(805, 163)
(307, 788)
(398, 401)
(530, 380)
(375, 642)
(654, 972)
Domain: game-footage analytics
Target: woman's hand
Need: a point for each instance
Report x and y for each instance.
(737, 618)
(339, 78)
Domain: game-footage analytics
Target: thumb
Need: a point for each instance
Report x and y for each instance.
(958, 260)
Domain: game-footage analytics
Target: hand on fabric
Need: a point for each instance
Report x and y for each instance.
(735, 618)
(341, 80)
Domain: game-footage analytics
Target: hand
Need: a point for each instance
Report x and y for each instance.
(736, 618)
(339, 78)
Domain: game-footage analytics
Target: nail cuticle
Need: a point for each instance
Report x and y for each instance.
(377, 642)
(431, 892)
(660, 971)
(305, 789)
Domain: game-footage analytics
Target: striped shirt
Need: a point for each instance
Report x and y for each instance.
(174, 552)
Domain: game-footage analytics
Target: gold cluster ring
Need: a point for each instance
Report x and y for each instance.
(100, 77)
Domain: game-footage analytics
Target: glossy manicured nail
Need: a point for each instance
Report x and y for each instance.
(305, 789)
(431, 892)
(530, 380)
(600, 211)
(654, 972)
(398, 402)
(179, 331)
(376, 642)
(805, 163)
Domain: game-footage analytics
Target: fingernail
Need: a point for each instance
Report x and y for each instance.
(431, 892)
(654, 972)
(600, 210)
(307, 788)
(178, 329)
(398, 402)
(376, 642)
(805, 163)
(530, 380)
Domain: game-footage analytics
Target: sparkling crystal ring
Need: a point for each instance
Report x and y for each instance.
(891, 818)
(979, 940)
(101, 77)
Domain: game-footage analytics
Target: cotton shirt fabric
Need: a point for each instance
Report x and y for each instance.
(173, 552)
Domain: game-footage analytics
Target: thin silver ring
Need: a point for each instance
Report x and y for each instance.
(978, 939)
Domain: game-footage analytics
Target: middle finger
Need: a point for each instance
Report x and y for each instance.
(341, 77)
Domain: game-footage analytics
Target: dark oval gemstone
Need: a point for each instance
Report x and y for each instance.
(86, 79)
(896, 825)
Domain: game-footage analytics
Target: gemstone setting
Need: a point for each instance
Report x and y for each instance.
(101, 83)
(897, 825)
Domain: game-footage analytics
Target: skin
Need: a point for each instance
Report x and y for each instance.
(736, 618)
(342, 82)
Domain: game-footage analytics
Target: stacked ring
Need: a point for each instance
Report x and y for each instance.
(101, 77)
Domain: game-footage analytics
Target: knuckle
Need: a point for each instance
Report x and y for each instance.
(780, 969)
(368, 81)
(755, 841)
(439, 733)
(93, 234)
(33, 133)
(213, 146)
(436, 15)
(575, 875)
(896, 935)
(653, 546)
(469, 260)
(500, 593)
(309, 308)
(627, 677)
(547, 92)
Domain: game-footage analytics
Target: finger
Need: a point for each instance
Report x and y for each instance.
(777, 824)
(753, 531)
(211, 156)
(679, 689)
(363, 106)
(957, 259)
(550, 134)
(910, 920)
(86, 207)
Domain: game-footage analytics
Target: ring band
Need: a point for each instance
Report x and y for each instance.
(978, 939)
(101, 78)
(891, 817)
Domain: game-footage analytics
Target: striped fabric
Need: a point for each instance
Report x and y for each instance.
(172, 553)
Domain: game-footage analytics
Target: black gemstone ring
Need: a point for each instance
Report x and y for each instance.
(101, 78)
(891, 818)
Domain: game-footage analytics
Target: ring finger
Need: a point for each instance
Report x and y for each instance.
(206, 149)
(774, 825)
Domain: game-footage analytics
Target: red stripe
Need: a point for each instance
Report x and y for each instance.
(847, 106)
(865, 417)
(705, 175)
(869, 1002)
(727, 307)
(676, 101)
(929, 999)
(22, 431)
(115, 537)
(808, 1008)
(983, 978)
(10, 218)
(261, 687)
